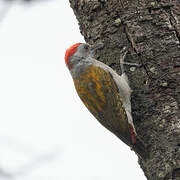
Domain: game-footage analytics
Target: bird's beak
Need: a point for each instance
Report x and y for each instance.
(97, 46)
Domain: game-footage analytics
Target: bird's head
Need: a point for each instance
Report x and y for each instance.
(75, 53)
(79, 51)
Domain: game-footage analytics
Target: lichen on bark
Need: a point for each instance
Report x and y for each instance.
(150, 29)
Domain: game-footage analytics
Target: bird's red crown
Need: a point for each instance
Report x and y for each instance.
(70, 51)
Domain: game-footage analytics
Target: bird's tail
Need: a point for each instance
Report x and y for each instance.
(140, 149)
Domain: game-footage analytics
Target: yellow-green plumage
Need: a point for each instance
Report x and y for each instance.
(100, 94)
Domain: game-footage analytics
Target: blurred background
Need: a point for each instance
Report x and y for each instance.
(46, 133)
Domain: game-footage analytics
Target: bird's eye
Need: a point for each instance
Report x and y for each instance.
(86, 46)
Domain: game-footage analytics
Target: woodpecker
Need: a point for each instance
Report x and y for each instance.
(106, 94)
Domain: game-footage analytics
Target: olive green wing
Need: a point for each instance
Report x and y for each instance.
(99, 92)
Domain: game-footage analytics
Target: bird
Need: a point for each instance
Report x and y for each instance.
(106, 94)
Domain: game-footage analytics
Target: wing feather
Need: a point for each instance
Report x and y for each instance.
(100, 94)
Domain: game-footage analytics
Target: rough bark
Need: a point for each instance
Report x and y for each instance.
(151, 31)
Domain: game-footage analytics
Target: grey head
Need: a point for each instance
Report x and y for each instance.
(75, 54)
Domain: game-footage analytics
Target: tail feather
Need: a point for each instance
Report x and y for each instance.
(140, 149)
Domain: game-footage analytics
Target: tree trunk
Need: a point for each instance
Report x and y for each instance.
(151, 31)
